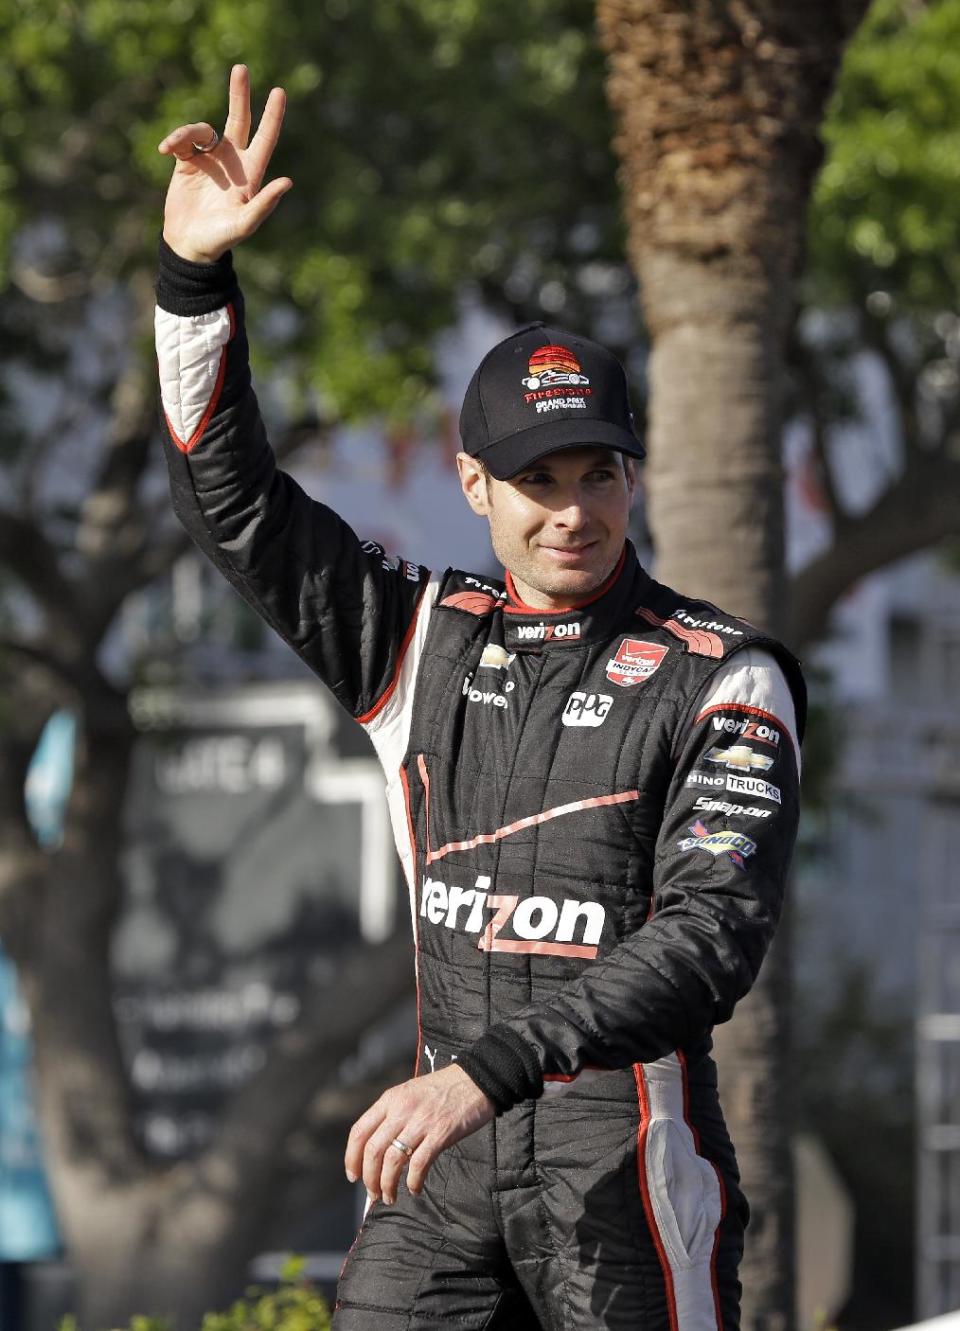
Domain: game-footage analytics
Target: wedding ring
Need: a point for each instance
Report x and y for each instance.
(206, 147)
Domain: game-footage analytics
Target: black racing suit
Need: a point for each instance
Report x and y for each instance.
(595, 809)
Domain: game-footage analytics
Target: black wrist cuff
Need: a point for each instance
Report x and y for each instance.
(194, 288)
(504, 1067)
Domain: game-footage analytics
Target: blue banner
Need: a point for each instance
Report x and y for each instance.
(28, 1226)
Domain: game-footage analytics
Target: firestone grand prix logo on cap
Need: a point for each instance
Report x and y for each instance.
(554, 365)
(553, 371)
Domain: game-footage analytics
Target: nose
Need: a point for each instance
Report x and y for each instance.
(571, 512)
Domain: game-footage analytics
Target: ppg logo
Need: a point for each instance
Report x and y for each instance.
(586, 709)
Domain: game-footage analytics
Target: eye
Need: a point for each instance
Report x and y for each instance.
(535, 478)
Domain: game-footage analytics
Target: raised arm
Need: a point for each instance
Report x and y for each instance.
(343, 606)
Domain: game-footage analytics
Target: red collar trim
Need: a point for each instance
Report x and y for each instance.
(518, 607)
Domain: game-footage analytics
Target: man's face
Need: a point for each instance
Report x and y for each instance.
(559, 525)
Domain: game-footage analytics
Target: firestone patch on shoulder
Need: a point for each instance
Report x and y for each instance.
(702, 637)
(474, 603)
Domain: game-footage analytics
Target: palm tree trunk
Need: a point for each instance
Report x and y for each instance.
(717, 106)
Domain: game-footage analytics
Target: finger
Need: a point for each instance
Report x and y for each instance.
(419, 1164)
(256, 212)
(180, 142)
(357, 1140)
(373, 1154)
(237, 128)
(265, 139)
(394, 1163)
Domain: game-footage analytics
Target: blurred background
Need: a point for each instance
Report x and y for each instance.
(196, 874)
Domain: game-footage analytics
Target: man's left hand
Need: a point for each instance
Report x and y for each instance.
(427, 1114)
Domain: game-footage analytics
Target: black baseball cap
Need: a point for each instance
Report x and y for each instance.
(543, 389)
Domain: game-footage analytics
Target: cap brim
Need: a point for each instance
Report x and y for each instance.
(506, 457)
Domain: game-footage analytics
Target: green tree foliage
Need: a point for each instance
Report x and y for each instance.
(886, 213)
(884, 262)
(434, 145)
(295, 1305)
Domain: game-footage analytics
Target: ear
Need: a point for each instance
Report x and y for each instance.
(473, 483)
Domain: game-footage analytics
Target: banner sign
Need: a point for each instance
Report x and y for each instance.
(256, 854)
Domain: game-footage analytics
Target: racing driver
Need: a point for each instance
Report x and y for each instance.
(593, 782)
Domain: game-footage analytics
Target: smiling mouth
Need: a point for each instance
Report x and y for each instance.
(569, 554)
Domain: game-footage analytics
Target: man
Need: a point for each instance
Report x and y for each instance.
(593, 783)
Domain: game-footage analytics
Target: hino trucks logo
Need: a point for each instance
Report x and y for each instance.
(507, 922)
(753, 785)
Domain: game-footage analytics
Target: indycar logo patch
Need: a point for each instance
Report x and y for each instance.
(635, 662)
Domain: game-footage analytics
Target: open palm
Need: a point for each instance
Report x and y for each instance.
(217, 198)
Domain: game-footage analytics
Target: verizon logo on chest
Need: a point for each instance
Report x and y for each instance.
(548, 632)
(506, 922)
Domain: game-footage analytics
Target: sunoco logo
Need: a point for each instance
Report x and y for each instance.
(507, 922)
(734, 844)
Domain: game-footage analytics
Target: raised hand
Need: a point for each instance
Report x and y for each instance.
(217, 198)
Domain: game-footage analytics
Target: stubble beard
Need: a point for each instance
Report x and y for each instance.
(560, 584)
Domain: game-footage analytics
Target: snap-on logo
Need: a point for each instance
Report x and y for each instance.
(586, 709)
(635, 662)
(507, 922)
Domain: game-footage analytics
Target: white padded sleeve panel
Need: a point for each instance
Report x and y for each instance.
(189, 352)
(390, 728)
(390, 732)
(751, 679)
